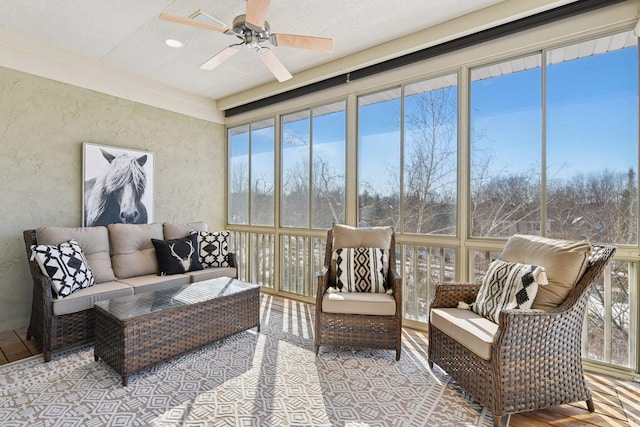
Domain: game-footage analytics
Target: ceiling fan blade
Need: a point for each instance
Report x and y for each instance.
(302, 42)
(192, 22)
(220, 57)
(273, 63)
(257, 12)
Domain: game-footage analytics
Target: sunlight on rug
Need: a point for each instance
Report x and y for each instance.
(271, 378)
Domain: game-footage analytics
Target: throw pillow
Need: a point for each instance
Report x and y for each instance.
(66, 265)
(360, 269)
(177, 256)
(213, 248)
(508, 285)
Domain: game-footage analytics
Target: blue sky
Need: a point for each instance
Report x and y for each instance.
(592, 103)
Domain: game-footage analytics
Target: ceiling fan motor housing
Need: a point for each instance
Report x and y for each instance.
(252, 35)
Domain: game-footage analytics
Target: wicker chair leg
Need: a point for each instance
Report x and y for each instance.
(47, 356)
(590, 405)
(397, 354)
(317, 349)
(501, 421)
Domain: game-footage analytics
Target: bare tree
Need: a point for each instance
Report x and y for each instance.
(328, 193)
(430, 163)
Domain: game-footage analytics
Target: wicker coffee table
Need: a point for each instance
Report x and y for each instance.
(138, 331)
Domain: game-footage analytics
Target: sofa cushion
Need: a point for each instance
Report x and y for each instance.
(94, 242)
(182, 229)
(359, 303)
(84, 299)
(360, 269)
(564, 262)
(153, 282)
(345, 236)
(66, 265)
(468, 328)
(132, 253)
(212, 273)
(213, 248)
(508, 285)
(177, 256)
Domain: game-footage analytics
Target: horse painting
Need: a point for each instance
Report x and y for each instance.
(115, 195)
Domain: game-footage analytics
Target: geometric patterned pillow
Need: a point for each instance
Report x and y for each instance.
(66, 265)
(213, 249)
(360, 269)
(508, 285)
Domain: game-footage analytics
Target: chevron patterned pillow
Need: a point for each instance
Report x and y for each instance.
(508, 285)
(360, 269)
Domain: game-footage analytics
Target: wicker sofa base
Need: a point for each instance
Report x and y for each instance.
(135, 344)
(358, 331)
(54, 333)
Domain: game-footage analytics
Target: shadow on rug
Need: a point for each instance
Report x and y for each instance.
(271, 378)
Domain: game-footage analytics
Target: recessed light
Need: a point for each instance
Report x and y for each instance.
(174, 43)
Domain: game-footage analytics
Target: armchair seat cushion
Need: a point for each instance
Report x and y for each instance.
(467, 327)
(376, 304)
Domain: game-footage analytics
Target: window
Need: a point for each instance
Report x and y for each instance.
(379, 158)
(251, 161)
(296, 154)
(313, 166)
(430, 156)
(506, 148)
(238, 209)
(592, 140)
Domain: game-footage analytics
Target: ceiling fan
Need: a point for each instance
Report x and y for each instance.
(252, 29)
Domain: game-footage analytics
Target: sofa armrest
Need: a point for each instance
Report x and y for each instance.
(449, 294)
(233, 259)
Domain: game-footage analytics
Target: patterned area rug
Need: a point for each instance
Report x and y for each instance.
(271, 378)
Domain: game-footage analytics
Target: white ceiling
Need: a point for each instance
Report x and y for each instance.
(125, 37)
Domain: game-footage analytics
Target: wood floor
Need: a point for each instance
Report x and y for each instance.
(617, 402)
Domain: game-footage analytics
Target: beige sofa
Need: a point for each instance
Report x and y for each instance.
(123, 261)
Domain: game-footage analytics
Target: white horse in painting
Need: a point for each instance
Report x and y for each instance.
(115, 195)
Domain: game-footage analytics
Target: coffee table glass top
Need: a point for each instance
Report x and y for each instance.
(131, 306)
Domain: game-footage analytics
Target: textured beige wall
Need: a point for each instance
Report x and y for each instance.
(42, 126)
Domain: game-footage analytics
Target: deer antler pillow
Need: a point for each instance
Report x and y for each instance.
(178, 255)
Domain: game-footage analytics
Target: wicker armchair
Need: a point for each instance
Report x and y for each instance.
(535, 359)
(358, 330)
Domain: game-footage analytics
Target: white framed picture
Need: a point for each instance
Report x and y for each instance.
(117, 185)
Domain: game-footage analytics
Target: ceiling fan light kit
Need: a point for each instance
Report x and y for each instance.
(252, 30)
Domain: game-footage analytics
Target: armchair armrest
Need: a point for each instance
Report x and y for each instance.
(532, 330)
(449, 294)
(323, 284)
(396, 286)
